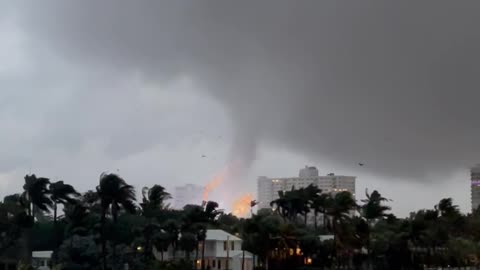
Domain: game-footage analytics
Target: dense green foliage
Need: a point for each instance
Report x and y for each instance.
(107, 228)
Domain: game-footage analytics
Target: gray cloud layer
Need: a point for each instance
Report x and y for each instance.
(390, 84)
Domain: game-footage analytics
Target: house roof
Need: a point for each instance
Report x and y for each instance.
(42, 254)
(221, 235)
(326, 237)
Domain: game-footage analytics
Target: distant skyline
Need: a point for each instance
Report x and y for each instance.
(171, 92)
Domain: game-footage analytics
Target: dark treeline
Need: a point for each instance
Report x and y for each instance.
(106, 228)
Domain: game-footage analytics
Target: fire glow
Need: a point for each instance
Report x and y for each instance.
(241, 206)
(218, 179)
(213, 184)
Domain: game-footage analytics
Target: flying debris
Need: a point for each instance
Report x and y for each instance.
(253, 203)
(204, 156)
(360, 164)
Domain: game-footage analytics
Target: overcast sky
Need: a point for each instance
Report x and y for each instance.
(145, 88)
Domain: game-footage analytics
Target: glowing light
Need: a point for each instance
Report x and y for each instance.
(214, 183)
(198, 261)
(308, 260)
(139, 248)
(241, 206)
(229, 171)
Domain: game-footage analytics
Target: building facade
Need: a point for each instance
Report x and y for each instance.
(268, 187)
(187, 194)
(475, 186)
(41, 260)
(222, 251)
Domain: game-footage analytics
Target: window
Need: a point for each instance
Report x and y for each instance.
(233, 245)
(219, 264)
(213, 263)
(224, 245)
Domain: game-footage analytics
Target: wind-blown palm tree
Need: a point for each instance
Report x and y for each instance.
(35, 196)
(372, 210)
(60, 193)
(339, 209)
(320, 205)
(310, 194)
(282, 205)
(153, 200)
(188, 242)
(161, 241)
(211, 211)
(210, 215)
(172, 228)
(13, 219)
(447, 208)
(114, 194)
(200, 231)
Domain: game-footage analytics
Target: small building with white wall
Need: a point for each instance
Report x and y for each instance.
(41, 260)
(220, 248)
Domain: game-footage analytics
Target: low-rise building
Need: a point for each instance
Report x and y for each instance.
(222, 251)
(41, 260)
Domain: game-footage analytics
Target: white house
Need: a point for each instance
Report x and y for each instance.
(220, 248)
(41, 259)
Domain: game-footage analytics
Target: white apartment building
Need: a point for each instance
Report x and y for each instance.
(268, 187)
(187, 194)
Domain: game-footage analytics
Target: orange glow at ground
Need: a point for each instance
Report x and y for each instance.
(241, 206)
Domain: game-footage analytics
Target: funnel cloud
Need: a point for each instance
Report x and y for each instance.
(392, 85)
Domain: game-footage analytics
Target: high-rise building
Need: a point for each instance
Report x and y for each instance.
(308, 171)
(268, 188)
(187, 194)
(475, 186)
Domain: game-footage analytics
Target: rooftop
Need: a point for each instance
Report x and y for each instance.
(42, 254)
(220, 235)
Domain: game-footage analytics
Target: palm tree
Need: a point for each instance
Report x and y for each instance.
(60, 194)
(339, 209)
(252, 205)
(372, 210)
(76, 218)
(173, 229)
(211, 211)
(35, 196)
(153, 200)
(297, 202)
(310, 194)
(211, 214)
(114, 194)
(200, 230)
(320, 205)
(187, 242)
(282, 205)
(161, 241)
(13, 219)
(447, 208)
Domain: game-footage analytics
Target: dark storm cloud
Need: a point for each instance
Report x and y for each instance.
(394, 85)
